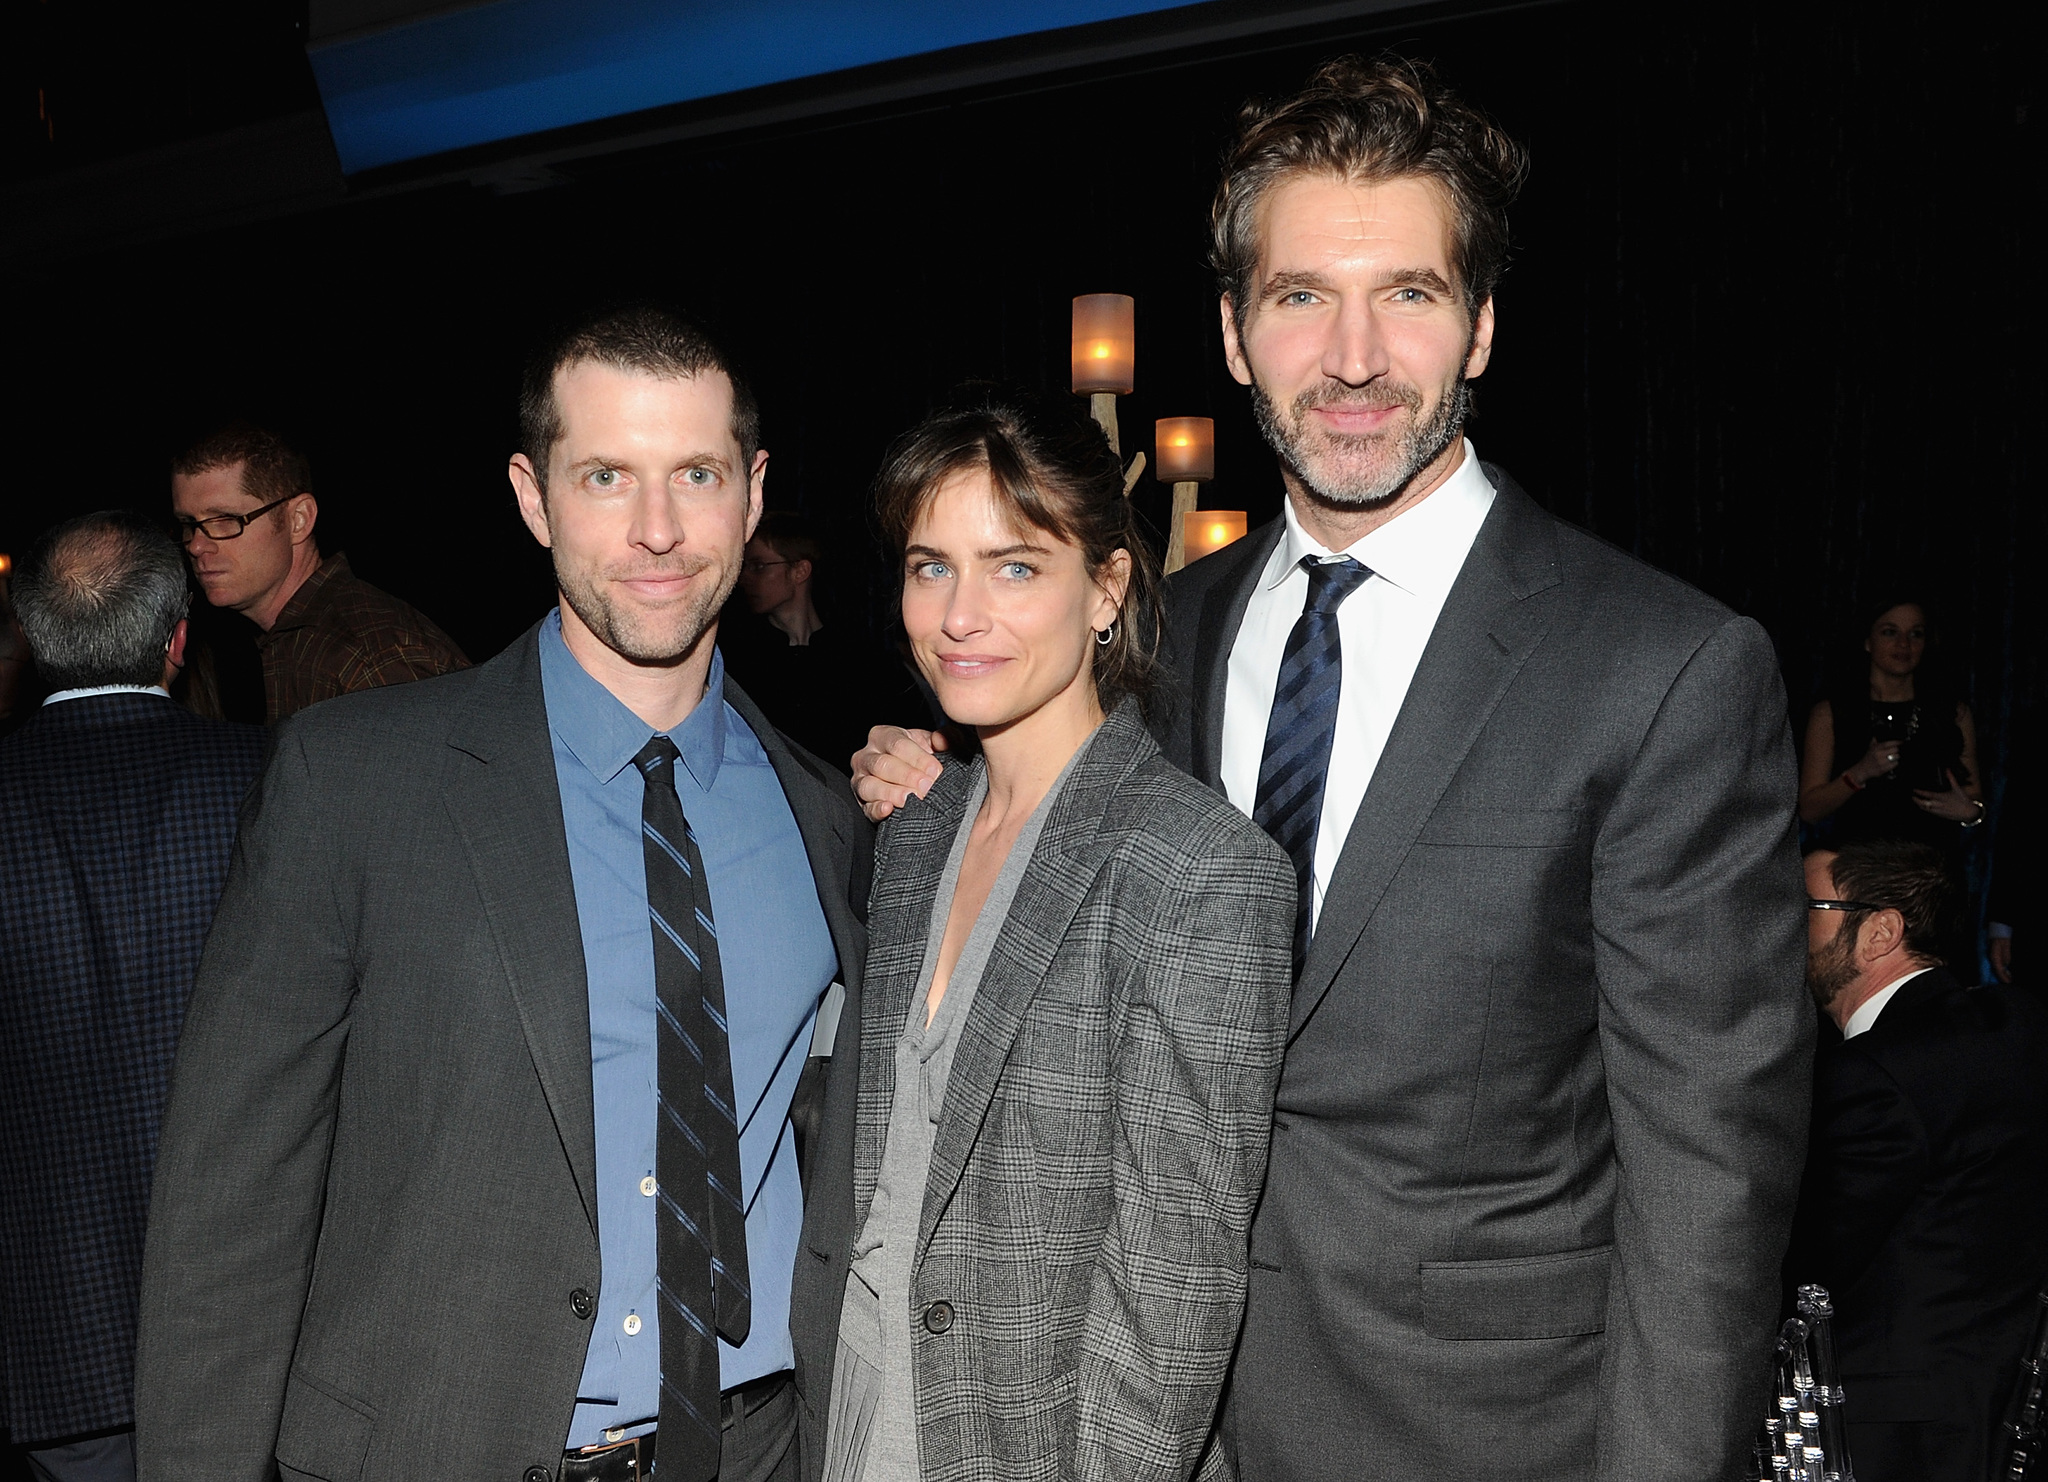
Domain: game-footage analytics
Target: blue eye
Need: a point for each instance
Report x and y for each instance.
(1016, 571)
(1299, 296)
(930, 571)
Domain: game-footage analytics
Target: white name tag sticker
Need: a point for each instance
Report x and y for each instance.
(828, 1020)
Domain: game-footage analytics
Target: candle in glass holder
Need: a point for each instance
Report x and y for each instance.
(1206, 531)
(1105, 342)
(1184, 450)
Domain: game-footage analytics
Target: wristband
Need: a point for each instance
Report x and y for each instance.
(1854, 785)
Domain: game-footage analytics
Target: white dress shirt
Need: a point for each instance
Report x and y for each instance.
(1866, 1014)
(1383, 627)
(108, 689)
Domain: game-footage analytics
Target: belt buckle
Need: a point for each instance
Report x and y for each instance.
(622, 1461)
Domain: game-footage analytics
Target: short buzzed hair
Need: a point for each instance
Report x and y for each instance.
(1371, 121)
(1912, 879)
(272, 468)
(99, 598)
(788, 534)
(646, 338)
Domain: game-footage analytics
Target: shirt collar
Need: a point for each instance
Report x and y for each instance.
(1867, 1012)
(1421, 550)
(108, 689)
(296, 612)
(604, 735)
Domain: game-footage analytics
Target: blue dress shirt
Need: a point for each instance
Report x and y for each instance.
(778, 960)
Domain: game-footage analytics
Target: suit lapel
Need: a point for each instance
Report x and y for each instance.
(1071, 850)
(829, 839)
(1220, 616)
(505, 803)
(913, 851)
(1490, 624)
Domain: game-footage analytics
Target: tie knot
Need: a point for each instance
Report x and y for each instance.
(657, 760)
(1330, 582)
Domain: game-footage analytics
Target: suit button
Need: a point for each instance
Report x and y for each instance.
(536, 1474)
(582, 1304)
(938, 1318)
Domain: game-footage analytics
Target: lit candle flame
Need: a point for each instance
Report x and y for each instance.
(1211, 530)
(1103, 349)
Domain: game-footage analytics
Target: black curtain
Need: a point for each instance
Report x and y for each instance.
(1769, 325)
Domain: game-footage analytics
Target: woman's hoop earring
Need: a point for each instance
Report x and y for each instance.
(1105, 636)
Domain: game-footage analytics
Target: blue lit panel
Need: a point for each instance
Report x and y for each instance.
(520, 66)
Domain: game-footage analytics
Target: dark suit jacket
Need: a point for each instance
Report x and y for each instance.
(378, 1183)
(117, 813)
(1540, 1127)
(1104, 1132)
(1925, 1214)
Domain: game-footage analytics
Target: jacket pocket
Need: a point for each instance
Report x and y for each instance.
(325, 1433)
(1501, 828)
(1526, 1297)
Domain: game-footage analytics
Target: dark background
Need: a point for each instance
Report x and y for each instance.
(1769, 325)
(1766, 324)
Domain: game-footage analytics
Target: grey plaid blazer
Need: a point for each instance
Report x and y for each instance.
(1105, 1127)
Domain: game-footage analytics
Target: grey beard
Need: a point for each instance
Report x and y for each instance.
(1421, 445)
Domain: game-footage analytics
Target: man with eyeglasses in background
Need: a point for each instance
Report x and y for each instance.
(244, 509)
(819, 681)
(1925, 1209)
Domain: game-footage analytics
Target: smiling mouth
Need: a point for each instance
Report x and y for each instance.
(659, 583)
(1356, 418)
(971, 666)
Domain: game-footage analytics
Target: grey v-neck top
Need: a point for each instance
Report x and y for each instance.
(872, 1432)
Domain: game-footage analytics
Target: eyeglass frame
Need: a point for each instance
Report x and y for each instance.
(188, 528)
(1813, 904)
(756, 567)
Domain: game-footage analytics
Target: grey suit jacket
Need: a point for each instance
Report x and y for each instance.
(1080, 1264)
(377, 1185)
(1540, 1129)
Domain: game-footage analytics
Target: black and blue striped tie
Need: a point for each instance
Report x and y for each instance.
(701, 1230)
(1302, 726)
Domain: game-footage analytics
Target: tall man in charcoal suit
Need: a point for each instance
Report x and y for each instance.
(481, 1161)
(1539, 1132)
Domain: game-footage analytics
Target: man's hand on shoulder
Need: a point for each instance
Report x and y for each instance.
(895, 766)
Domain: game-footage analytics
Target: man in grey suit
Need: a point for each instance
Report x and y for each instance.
(1540, 1126)
(480, 1160)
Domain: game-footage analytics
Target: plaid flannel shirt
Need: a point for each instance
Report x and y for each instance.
(339, 634)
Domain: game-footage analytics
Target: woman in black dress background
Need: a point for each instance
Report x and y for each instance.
(1891, 751)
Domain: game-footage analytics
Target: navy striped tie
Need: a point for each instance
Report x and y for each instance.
(701, 1231)
(1302, 726)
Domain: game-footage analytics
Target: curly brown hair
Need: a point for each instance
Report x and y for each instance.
(1371, 120)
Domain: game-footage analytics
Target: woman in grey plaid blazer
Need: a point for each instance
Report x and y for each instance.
(1076, 999)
